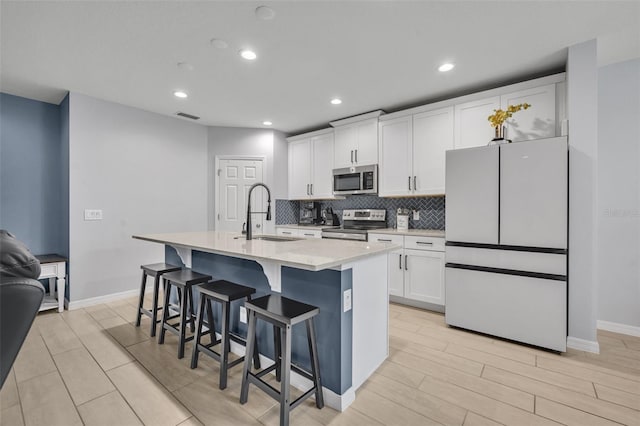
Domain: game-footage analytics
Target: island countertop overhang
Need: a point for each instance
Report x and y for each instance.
(310, 254)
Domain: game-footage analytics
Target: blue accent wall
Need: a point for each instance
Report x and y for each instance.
(31, 174)
(323, 289)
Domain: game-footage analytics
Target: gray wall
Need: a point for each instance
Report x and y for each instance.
(147, 172)
(31, 174)
(619, 193)
(582, 112)
(234, 141)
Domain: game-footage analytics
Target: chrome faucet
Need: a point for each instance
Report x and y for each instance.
(249, 212)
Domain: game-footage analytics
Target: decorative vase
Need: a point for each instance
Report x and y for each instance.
(499, 136)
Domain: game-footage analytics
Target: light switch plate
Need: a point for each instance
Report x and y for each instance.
(92, 214)
(243, 314)
(347, 300)
(416, 215)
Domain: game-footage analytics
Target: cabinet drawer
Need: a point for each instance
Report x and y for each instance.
(287, 232)
(424, 243)
(309, 233)
(386, 238)
(48, 270)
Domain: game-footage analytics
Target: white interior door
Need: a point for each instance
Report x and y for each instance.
(235, 177)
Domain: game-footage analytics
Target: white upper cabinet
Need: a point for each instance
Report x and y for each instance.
(472, 124)
(299, 168)
(412, 153)
(537, 122)
(356, 143)
(322, 168)
(432, 137)
(311, 166)
(394, 168)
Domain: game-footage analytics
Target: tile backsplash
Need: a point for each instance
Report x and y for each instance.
(431, 209)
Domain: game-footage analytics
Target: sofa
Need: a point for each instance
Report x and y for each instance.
(20, 298)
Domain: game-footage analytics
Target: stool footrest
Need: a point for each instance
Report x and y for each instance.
(302, 372)
(302, 397)
(266, 387)
(265, 371)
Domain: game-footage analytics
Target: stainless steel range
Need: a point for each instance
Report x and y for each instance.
(356, 223)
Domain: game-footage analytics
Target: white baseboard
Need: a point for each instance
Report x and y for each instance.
(331, 399)
(78, 304)
(619, 328)
(583, 345)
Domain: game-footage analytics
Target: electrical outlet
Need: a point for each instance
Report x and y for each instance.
(92, 214)
(416, 215)
(243, 314)
(347, 300)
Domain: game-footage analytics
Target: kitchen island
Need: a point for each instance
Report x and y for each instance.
(347, 280)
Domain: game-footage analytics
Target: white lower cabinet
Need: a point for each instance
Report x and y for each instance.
(416, 271)
(299, 233)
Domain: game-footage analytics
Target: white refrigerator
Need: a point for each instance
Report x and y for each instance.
(506, 241)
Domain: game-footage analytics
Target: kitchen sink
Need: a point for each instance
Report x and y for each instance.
(275, 238)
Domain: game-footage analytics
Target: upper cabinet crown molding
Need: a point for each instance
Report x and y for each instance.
(559, 78)
(310, 134)
(356, 118)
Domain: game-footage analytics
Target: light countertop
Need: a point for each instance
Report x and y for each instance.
(313, 254)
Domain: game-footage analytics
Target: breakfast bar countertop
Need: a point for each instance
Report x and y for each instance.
(312, 254)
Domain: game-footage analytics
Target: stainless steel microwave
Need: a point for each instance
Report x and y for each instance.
(355, 180)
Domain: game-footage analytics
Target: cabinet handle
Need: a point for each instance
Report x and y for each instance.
(311, 189)
(383, 240)
(285, 232)
(308, 189)
(409, 183)
(308, 235)
(356, 155)
(424, 243)
(406, 262)
(399, 261)
(414, 184)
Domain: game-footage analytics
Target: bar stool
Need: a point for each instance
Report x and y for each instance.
(183, 280)
(155, 270)
(282, 313)
(223, 292)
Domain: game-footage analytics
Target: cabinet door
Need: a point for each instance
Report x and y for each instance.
(367, 142)
(346, 138)
(472, 126)
(299, 169)
(472, 195)
(396, 273)
(537, 122)
(533, 193)
(432, 137)
(322, 170)
(424, 276)
(394, 170)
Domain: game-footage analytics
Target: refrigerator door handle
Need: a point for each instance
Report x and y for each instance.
(519, 273)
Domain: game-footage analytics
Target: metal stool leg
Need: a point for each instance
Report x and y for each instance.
(277, 351)
(165, 311)
(191, 310)
(256, 353)
(285, 403)
(315, 366)
(154, 311)
(224, 347)
(140, 302)
(211, 322)
(251, 337)
(183, 323)
(199, 321)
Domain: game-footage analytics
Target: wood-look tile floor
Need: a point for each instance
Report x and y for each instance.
(92, 366)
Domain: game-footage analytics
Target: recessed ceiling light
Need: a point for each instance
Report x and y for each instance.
(446, 67)
(265, 13)
(267, 123)
(336, 101)
(249, 55)
(180, 94)
(185, 66)
(219, 44)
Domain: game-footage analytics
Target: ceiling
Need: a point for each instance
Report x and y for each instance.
(371, 54)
